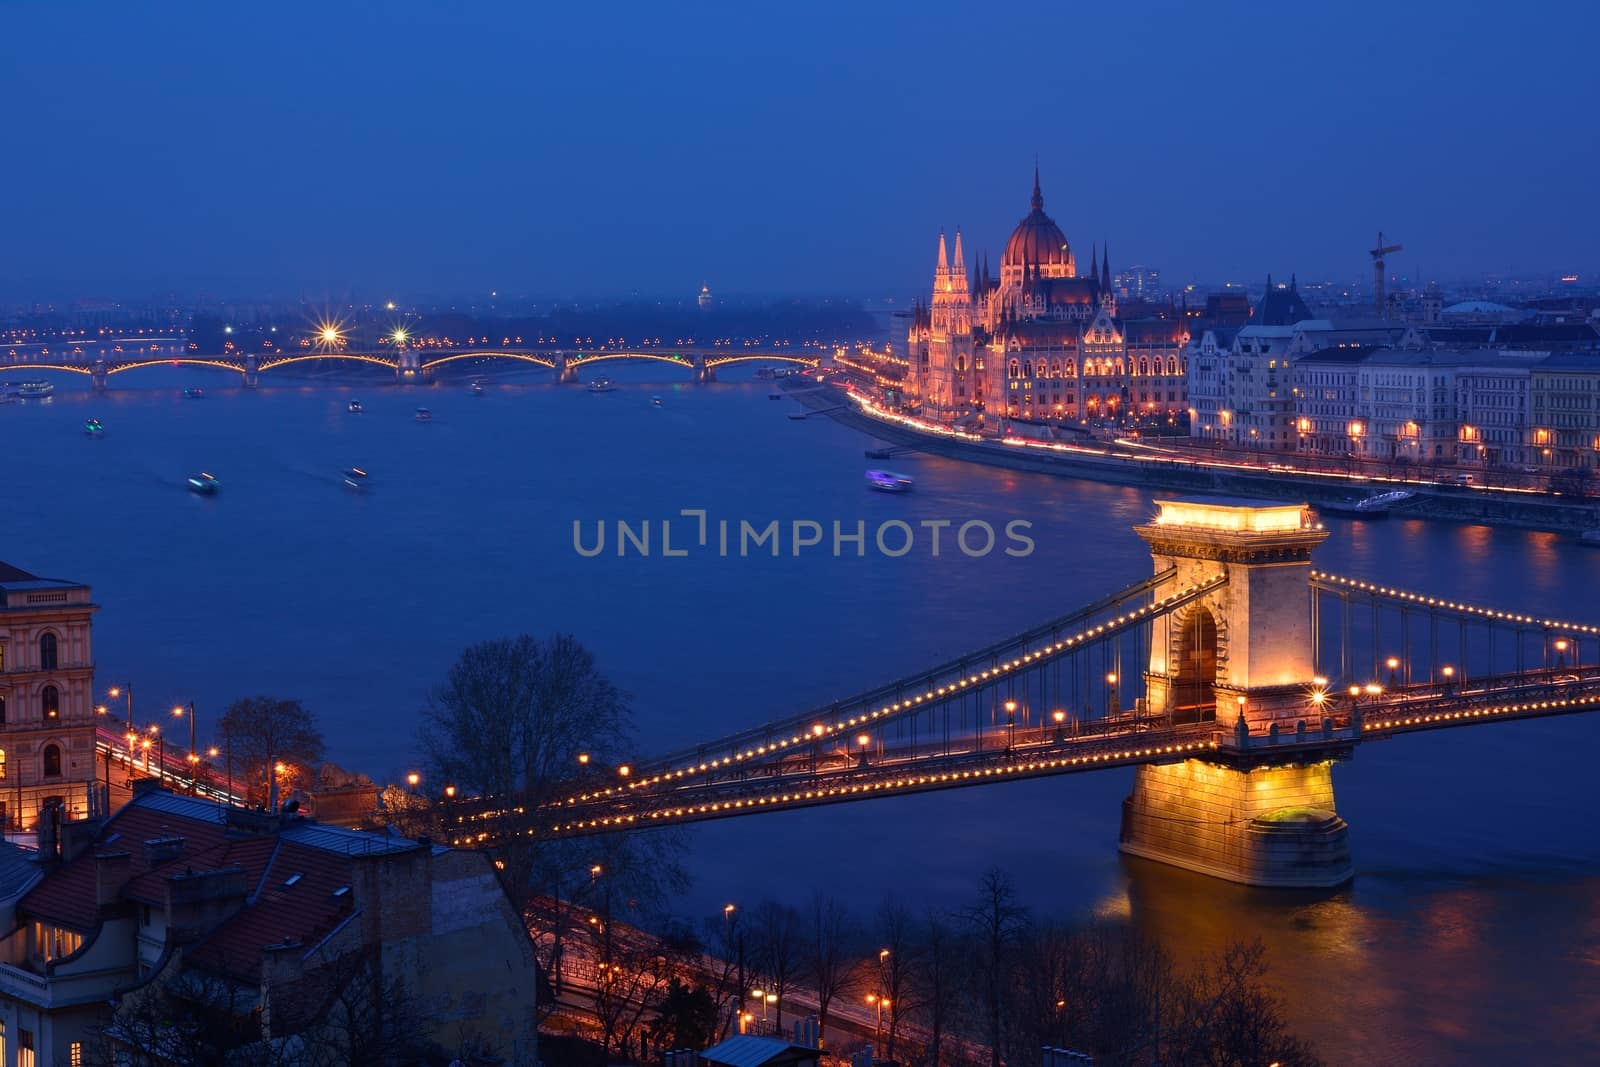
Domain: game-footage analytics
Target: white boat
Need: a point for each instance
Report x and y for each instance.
(26, 390)
(424, 415)
(354, 407)
(477, 388)
(203, 484)
(601, 385)
(1375, 506)
(194, 394)
(888, 481)
(655, 401)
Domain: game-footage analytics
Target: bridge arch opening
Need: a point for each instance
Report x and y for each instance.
(1194, 697)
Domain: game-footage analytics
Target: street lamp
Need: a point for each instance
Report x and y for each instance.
(1393, 663)
(1011, 723)
(126, 689)
(412, 779)
(178, 713)
(1060, 717)
(1111, 694)
(862, 741)
(1561, 653)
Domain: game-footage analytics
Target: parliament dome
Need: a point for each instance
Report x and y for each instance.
(1037, 239)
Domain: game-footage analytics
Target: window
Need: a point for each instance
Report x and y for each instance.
(2, 775)
(2, 715)
(50, 702)
(25, 1049)
(52, 761)
(75, 1054)
(47, 652)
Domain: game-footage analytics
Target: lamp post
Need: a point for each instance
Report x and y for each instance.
(1449, 677)
(1011, 724)
(126, 689)
(1060, 717)
(1111, 694)
(1561, 653)
(179, 712)
(1393, 663)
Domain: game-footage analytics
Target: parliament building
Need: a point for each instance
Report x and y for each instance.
(1042, 342)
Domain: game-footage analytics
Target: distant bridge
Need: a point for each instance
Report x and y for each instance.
(413, 365)
(1258, 674)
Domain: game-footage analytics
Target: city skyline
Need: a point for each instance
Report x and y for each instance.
(763, 152)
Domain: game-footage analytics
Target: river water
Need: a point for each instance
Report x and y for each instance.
(1471, 934)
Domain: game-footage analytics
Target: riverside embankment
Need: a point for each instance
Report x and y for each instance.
(1447, 503)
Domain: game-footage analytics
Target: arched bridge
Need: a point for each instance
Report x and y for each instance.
(1234, 678)
(419, 364)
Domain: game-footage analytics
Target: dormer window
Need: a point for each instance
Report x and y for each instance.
(292, 879)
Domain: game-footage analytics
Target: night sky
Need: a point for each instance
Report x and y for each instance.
(609, 148)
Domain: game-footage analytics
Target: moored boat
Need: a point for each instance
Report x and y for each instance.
(655, 401)
(888, 481)
(194, 394)
(203, 484)
(27, 390)
(354, 407)
(424, 415)
(1375, 506)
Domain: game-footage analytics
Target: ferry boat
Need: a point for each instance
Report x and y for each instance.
(601, 385)
(354, 478)
(28, 390)
(195, 394)
(764, 373)
(424, 415)
(94, 428)
(888, 482)
(354, 407)
(1375, 506)
(203, 484)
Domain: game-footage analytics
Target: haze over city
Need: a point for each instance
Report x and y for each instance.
(642, 148)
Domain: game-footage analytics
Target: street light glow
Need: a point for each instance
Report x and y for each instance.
(411, 779)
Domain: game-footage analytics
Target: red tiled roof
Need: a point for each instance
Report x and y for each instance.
(280, 908)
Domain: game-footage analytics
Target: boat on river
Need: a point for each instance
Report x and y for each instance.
(477, 388)
(354, 407)
(94, 428)
(203, 484)
(888, 481)
(354, 478)
(27, 390)
(1376, 506)
(194, 394)
(601, 385)
(424, 415)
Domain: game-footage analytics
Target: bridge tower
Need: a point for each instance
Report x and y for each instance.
(703, 373)
(566, 374)
(252, 370)
(408, 364)
(100, 374)
(1242, 655)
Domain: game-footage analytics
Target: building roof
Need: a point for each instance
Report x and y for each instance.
(8, 573)
(19, 869)
(1338, 354)
(1037, 239)
(1478, 307)
(748, 1050)
(292, 869)
(1281, 306)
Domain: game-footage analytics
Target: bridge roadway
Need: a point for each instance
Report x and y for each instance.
(1335, 724)
(419, 364)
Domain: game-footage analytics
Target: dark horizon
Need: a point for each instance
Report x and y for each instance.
(407, 150)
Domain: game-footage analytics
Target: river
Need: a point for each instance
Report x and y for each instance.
(1471, 934)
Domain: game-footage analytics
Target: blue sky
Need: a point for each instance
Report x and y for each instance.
(622, 147)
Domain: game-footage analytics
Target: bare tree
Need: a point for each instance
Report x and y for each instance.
(827, 960)
(512, 719)
(939, 983)
(996, 920)
(1226, 1017)
(898, 962)
(726, 975)
(265, 731)
(777, 951)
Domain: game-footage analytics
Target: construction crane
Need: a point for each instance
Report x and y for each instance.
(1377, 255)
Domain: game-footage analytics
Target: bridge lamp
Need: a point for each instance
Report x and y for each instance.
(212, 752)
(817, 730)
(1393, 663)
(329, 335)
(863, 740)
(1561, 652)
(1011, 707)
(624, 770)
(412, 779)
(596, 871)
(583, 759)
(399, 337)
(1373, 689)
(450, 791)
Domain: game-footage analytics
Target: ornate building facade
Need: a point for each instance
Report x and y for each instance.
(47, 711)
(1040, 342)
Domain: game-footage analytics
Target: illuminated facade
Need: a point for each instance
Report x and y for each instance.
(47, 712)
(1040, 342)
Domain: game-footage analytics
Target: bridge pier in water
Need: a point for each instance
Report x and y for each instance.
(408, 366)
(252, 370)
(703, 373)
(100, 374)
(1242, 654)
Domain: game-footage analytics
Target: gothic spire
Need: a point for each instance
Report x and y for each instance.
(1038, 197)
(944, 260)
(961, 262)
(1105, 268)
